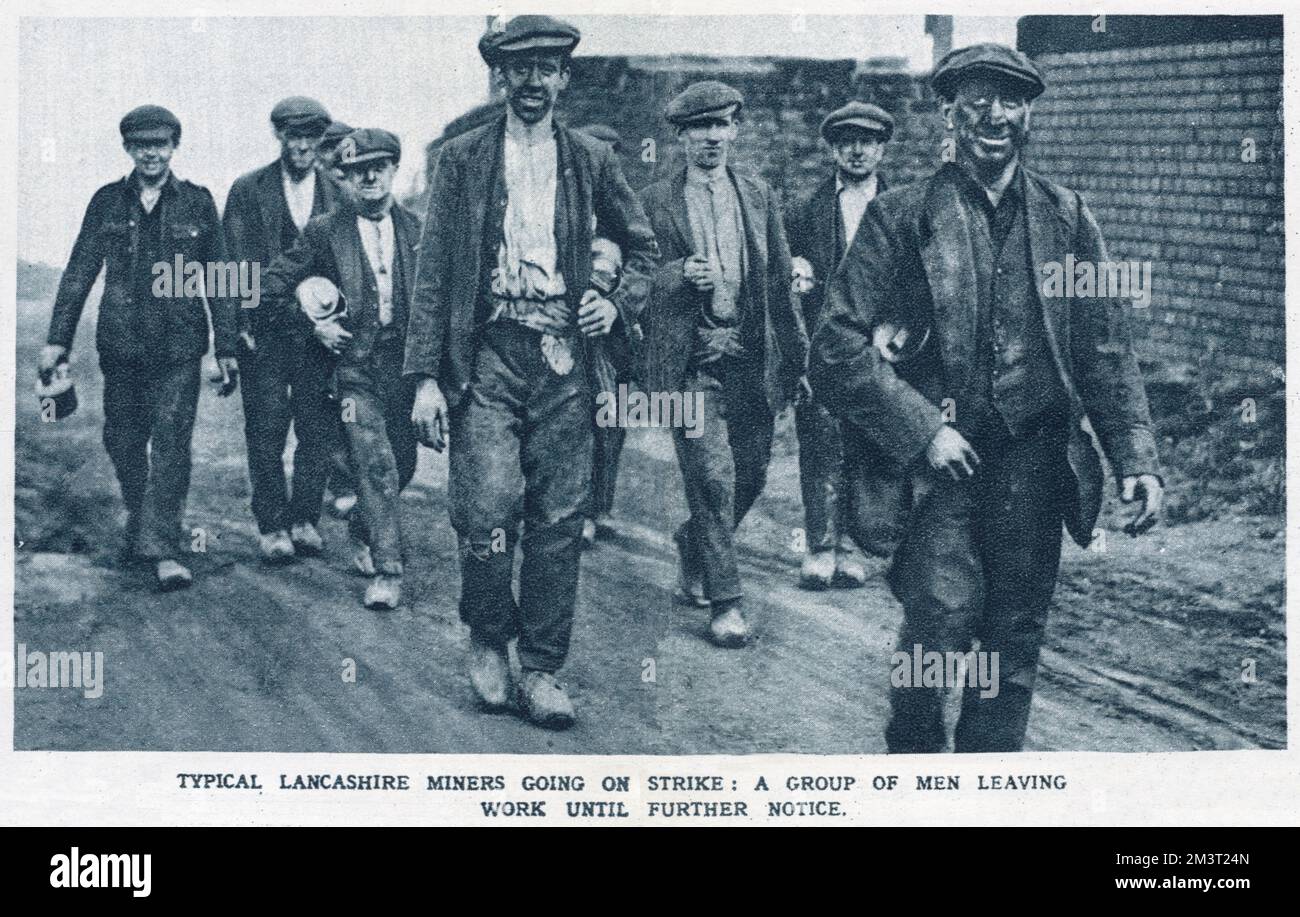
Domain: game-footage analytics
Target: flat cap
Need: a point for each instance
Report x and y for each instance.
(603, 132)
(301, 113)
(986, 60)
(528, 33)
(150, 122)
(706, 99)
(862, 115)
(367, 144)
(335, 132)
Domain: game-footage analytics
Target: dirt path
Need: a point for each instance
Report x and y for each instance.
(1145, 652)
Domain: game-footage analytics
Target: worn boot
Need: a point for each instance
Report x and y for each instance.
(545, 702)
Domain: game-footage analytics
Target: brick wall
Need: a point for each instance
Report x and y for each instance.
(1151, 135)
(785, 102)
(1153, 138)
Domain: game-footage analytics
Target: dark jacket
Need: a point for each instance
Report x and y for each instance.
(109, 237)
(816, 232)
(445, 314)
(330, 247)
(673, 312)
(254, 221)
(908, 264)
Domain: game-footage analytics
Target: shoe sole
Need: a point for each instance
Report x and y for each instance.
(174, 584)
(814, 585)
(848, 582)
(303, 550)
(554, 722)
(729, 643)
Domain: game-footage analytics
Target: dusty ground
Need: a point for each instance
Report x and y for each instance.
(1146, 649)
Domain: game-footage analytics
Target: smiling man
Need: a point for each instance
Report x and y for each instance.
(149, 347)
(721, 322)
(821, 230)
(506, 347)
(365, 248)
(986, 420)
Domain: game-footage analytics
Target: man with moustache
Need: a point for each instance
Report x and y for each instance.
(284, 376)
(820, 232)
(993, 420)
(365, 248)
(721, 321)
(149, 347)
(506, 345)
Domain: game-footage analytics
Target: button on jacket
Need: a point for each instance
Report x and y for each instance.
(132, 331)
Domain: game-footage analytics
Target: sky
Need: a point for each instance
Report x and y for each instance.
(222, 75)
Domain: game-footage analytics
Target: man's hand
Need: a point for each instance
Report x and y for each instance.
(429, 415)
(332, 335)
(699, 271)
(804, 392)
(250, 342)
(949, 451)
(596, 314)
(229, 375)
(51, 356)
(802, 279)
(1151, 492)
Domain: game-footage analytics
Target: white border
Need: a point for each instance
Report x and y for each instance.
(1186, 788)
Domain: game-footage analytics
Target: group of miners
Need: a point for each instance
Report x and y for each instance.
(948, 414)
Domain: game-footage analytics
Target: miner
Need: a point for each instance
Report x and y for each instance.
(997, 412)
(721, 321)
(821, 230)
(284, 377)
(506, 346)
(150, 342)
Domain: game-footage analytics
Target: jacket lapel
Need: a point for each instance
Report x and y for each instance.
(407, 233)
(482, 164)
(948, 256)
(271, 201)
(345, 240)
(753, 213)
(677, 214)
(1049, 239)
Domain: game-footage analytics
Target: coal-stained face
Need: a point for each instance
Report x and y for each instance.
(991, 120)
(532, 83)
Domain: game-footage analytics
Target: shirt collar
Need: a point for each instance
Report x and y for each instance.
(131, 186)
(862, 187)
(974, 191)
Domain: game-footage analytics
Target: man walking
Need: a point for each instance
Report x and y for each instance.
(721, 321)
(609, 439)
(150, 346)
(284, 375)
(506, 344)
(365, 248)
(986, 419)
(820, 232)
